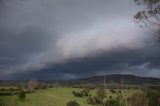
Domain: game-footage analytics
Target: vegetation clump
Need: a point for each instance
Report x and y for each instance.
(72, 103)
(35, 84)
(21, 95)
(83, 93)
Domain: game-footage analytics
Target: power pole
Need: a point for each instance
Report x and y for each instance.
(121, 89)
(122, 82)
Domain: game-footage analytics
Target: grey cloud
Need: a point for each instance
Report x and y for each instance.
(49, 37)
(138, 62)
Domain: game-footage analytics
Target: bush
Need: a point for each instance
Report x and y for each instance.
(96, 100)
(50, 86)
(73, 92)
(83, 93)
(90, 100)
(72, 103)
(93, 101)
(113, 90)
(43, 86)
(21, 95)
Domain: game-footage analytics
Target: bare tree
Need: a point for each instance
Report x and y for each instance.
(33, 84)
(149, 18)
(101, 94)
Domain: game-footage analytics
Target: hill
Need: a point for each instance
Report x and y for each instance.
(115, 79)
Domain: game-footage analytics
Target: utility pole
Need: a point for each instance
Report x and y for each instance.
(122, 83)
(121, 91)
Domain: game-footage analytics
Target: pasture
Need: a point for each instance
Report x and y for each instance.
(54, 97)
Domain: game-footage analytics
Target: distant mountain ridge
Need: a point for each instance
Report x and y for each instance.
(111, 80)
(117, 79)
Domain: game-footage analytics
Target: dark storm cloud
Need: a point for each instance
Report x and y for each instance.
(70, 39)
(138, 62)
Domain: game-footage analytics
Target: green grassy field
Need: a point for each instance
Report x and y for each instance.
(53, 97)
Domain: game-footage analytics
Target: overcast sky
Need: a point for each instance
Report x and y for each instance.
(64, 39)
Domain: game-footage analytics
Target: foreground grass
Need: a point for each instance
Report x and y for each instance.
(53, 97)
(49, 97)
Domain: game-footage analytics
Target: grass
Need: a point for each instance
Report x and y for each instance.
(53, 97)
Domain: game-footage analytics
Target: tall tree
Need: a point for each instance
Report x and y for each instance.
(150, 16)
(101, 93)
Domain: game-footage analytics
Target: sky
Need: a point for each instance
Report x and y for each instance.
(68, 39)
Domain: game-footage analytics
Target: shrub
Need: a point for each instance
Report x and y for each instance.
(110, 97)
(93, 101)
(21, 95)
(50, 86)
(96, 100)
(73, 92)
(113, 90)
(77, 94)
(43, 86)
(90, 100)
(85, 93)
(72, 103)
